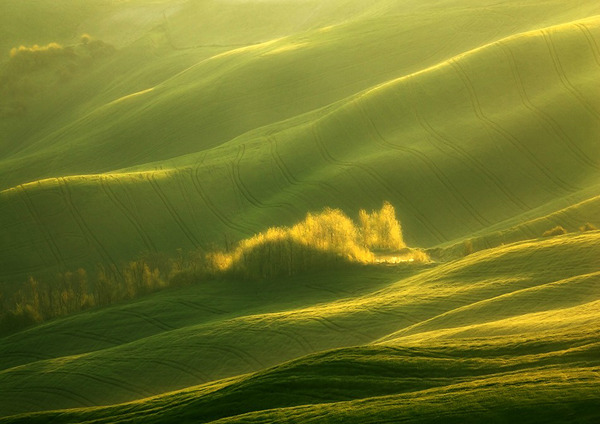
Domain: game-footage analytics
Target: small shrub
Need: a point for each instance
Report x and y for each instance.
(420, 256)
(380, 229)
(468, 247)
(587, 227)
(556, 231)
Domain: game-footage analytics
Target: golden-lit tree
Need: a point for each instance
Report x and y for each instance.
(380, 229)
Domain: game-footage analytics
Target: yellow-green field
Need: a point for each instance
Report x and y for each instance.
(186, 126)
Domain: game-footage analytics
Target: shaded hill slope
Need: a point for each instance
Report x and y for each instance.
(544, 291)
(519, 321)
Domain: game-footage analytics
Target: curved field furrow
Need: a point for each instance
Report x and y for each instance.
(406, 203)
(299, 338)
(19, 402)
(84, 228)
(45, 233)
(465, 156)
(563, 76)
(290, 179)
(381, 181)
(151, 320)
(294, 336)
(291, 184)
(199, 307)
(242, 188)
(379, 310)
(165, 201)
(54, 391)
(241, 354)
(322, 185)
(83, 334)
(591, 41)
(237, 180)
(190, 197)
(211, 206)
(558, 182)
(125, 211)
(337, 292)
(20, 355)
(435, 169)
(551, 123)
(109, 381)
(134, 210)
(201, 377)
(330, 325)
(285, 172)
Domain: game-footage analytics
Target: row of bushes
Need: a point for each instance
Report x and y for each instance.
(39, 300)
(24, 59)
(325, 240)
(31, 70)
(467, 246)
(560, 230)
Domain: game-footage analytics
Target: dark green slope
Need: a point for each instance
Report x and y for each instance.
(527, 298)
(543, 381)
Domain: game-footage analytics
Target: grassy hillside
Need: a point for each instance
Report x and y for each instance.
(156, 128)
(504, 329)
(241, 140)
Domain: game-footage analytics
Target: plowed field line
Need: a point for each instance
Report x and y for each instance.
(125, 211)
(557, 181)
(563, 76)
(542, 116)
(406, 203)
(84, 228)
(465, 156)
(210, 205)
(591, 41)
(45, 233)
(165, 201)
(439, 174)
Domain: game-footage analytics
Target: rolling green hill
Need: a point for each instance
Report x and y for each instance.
(258, 135)
(504, 329)
(179, 126)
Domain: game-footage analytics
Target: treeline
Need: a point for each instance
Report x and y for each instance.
(38, 300)
(24, 59)
(325, 240)
(34, 69)
(560, 230)
(468, 245)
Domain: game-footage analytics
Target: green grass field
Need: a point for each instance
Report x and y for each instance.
(181, 126)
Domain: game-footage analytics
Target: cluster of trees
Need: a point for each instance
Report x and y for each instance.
(560, 230)
(29, 59)
(39, 300)
(33, 69)
(324, 240)
(36, 301)
(380, 230)
(319, 241)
